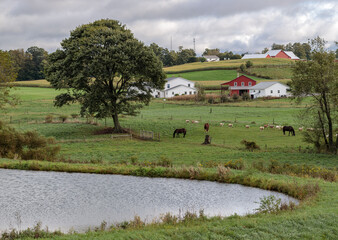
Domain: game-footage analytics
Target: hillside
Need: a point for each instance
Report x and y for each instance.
(226, 65)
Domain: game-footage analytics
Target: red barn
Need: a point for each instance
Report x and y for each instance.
(239, 85)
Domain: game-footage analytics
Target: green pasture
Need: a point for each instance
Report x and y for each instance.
(272, 72)
(314, 219)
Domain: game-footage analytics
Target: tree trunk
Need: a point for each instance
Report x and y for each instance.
(117, 126)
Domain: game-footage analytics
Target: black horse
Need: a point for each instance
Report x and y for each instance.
(178, 131)
(289, 129)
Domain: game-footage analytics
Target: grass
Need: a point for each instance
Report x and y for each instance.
(225, 65)
(272, 73)
(315, 219)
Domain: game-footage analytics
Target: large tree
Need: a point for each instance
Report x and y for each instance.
(105, 69)
(8, 73)
(319, 80)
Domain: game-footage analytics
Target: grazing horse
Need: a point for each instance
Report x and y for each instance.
(289, 129)
(178, 131)
(206, 127)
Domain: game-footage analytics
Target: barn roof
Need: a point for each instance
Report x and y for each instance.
(273, 53)
(179, 78)
(249, 56)
(291, 55)
(264, 85)
(181, 85)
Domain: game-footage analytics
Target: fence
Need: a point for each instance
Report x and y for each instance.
(150, 135)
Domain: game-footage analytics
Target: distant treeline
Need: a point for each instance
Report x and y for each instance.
(29, 63)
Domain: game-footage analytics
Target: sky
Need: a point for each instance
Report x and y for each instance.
(236, 25)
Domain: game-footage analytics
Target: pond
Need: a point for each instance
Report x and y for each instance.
(77, 201)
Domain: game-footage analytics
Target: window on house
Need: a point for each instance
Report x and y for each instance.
(168, 85)
(190, 93)
(185, 93)
(242, 84)
(194, 92)
(254, 90)
(259, 91)
(188, 84)
(278, 91)
(271, 91)
(235, 84)
(249, 83)
(173, 93)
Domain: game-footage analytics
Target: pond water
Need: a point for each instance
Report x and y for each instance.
(77, 201)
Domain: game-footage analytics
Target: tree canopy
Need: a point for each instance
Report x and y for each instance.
(105, 69)
(318, 79)
(8, 74)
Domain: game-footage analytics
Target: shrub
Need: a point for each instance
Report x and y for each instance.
(235, 97)
(49, 118)
(210, 100)
(248, 64)
(74, 115)
(250, 145)
(242, 67)
(246, 96)
(28, 145)
(63, 118)
(269, 204)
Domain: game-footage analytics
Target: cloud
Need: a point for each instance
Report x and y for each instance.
(237, 25)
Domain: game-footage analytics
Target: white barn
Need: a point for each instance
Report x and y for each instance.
(211, 58)
(269, 89)
(175, 86)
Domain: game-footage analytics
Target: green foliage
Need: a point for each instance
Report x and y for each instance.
(8, 74)
(116, 80)
(246, 96)
(242, 67)
(28, 145)
(319, 79)
(249, 64)
(235, 97)
(269, 204)
(250, 145)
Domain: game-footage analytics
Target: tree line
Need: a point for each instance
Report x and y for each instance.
(29, 64)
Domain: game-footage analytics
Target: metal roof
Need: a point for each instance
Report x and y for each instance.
(240, 88)
(291, 55)
(180, 78)
(273, 53)
(264, 85)
(249, 56)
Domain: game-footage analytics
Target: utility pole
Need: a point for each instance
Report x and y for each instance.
(194, 45)
(171, 43)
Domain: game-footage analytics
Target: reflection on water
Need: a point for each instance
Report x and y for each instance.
(76, 200)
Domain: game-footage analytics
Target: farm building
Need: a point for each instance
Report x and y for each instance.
(273, 54)
(269, 89)
(239, 85)
(211, 58)
(175, 86)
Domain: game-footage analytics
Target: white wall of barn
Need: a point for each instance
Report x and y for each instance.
(180, 90)
(178, 81)
(276, 90)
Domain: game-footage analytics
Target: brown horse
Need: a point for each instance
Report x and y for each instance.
(206, 127)
(178, 131)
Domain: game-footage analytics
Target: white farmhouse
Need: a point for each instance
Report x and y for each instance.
(211, 58)
(269, 89)
(175, 86)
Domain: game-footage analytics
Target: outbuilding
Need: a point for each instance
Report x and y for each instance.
(175, 86)
(269, 89)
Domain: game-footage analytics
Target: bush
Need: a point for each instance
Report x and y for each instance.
(246, 96)
(242, 68)
(250, 145)
(74, 115)
(28, 145)
(248, 64)
(63, 118)
(269, 204)
(49, 118)
(235, 97)
(210, 100)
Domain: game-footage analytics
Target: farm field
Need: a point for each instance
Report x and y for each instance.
(226, 64)
(81, 149)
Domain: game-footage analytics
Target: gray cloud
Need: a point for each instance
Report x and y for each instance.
(238, 25)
